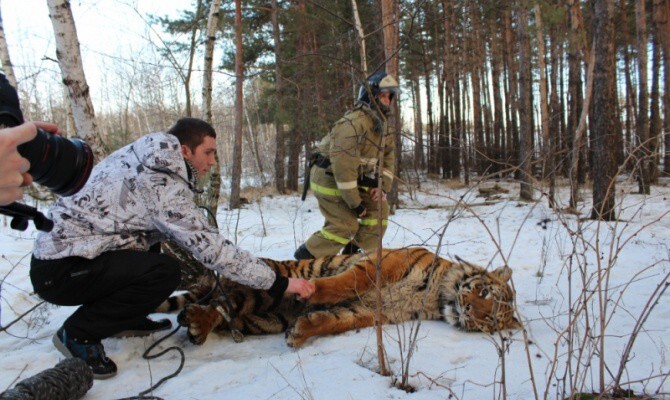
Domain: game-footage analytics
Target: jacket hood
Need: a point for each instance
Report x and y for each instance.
(160, 152)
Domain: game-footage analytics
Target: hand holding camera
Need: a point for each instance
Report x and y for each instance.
(13, 167)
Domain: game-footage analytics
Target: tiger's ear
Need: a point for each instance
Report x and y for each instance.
(502, 273)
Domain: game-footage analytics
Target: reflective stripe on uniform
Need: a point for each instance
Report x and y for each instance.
(372, 222)
(346, 185)
(333, 237)
(324, 190)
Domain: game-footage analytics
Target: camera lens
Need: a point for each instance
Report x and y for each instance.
(62, 165)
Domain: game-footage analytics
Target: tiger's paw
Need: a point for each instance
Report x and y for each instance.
(305, 327)
(298, 333)
(200, 320)
(294, 338)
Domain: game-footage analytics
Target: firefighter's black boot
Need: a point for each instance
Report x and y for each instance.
(302, 253)
(351, 248)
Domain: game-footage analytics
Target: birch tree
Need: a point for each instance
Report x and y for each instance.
(4, 56)
(215, 177)
(212, 23)
(72, 71)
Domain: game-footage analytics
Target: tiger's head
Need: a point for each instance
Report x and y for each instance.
(485, 302)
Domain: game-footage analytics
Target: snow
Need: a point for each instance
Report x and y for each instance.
(447, 363)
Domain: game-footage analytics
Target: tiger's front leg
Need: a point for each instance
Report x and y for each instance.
(200, 321)
(359, 279)
(328, 322)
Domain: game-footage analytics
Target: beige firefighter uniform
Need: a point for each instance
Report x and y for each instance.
(352, 148)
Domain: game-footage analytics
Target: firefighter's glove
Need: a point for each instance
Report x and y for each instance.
(360, 210)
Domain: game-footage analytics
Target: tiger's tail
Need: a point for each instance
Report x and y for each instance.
(201, 292)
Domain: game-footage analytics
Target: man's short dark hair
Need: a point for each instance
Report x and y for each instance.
(191, 131)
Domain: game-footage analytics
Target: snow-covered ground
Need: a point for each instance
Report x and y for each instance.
(531, 238)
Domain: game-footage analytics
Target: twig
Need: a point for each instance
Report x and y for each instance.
(4, 328)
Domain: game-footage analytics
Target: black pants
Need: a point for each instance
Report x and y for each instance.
(116, 290)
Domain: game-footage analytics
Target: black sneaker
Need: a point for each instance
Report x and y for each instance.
(145, 328)
(91, 352)
(302, 253)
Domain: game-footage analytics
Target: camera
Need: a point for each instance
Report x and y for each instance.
(62, 165)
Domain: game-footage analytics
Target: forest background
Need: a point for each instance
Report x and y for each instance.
(489, 89)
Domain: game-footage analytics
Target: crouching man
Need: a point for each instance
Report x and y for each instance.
(99, 254)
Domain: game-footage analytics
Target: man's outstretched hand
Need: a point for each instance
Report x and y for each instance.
(302, 287)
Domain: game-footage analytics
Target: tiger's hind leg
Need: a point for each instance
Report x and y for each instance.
(327, 322)
(257, 324)
(200, 321)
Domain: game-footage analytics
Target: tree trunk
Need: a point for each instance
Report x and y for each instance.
(297, 138)
(662, 22)
(191, 57)
(280, 145)
(475, 62)
(603, 127)
(6, 61)
(214, 187)
(655, 112)
(458, 159)
(547, 153)
(360, 36)
(578, 136)
(212, 24)
(391, 31)
(419, 160)
(239, 104)
(642, 129)
(463, 138)
(72, 70)
(557, 153)
(498, 118)
(450, 165)
(630, 102)
(512, 96)
(433, 166)
(577, 109)
(525, 108)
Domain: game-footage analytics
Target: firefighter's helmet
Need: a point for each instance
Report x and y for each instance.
(378, 82)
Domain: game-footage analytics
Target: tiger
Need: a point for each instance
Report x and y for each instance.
(416, 284)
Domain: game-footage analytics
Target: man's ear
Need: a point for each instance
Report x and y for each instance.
(186, 152)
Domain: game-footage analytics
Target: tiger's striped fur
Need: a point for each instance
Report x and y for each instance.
(417, 285)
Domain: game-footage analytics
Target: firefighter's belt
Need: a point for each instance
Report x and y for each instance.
(320, 161)
(367, 181)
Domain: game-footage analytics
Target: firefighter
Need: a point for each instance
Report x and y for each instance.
(345, 172)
